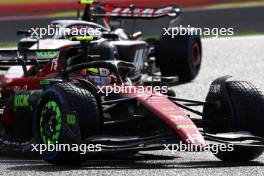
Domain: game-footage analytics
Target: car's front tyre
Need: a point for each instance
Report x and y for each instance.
(67, 114)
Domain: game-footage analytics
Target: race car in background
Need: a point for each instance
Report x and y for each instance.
(179, 56)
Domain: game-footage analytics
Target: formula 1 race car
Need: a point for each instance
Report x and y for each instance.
(82, 103)
(180, 55)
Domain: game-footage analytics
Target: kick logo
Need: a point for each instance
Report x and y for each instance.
(21, 101)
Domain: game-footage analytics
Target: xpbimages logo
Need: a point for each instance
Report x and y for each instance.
(182, 31)
(52, 30)
(81, 148)
(130, 89)
(182, 147)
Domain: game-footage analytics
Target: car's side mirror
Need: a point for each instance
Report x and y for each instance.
(136, 35)
(161, 80)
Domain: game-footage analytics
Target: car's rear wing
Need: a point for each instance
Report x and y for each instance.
(133, 12)
(29, 57)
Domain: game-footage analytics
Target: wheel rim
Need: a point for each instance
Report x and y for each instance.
(196, 55)
(50, 123)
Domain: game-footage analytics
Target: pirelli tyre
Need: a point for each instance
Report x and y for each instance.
(179, 55)
(241, 108)
(67, 114)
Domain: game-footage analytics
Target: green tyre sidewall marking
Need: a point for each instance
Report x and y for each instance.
(54, 107)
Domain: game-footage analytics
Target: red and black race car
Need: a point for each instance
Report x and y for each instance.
(67, 102)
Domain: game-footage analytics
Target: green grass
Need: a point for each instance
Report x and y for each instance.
(8, 44)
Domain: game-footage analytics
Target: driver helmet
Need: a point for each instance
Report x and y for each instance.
(99, 76)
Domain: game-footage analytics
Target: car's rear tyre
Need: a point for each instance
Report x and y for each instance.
(67, 114)
(242, 108)
(179, 56)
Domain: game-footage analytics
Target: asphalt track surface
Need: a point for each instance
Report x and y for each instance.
(247, 19)
(241, 57)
